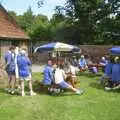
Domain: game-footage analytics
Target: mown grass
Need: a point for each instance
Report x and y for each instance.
(94, 104)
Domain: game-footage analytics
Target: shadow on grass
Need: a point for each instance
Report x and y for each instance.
(88, 74)
(2, 90)
(41, 89)
(100, 87)
(96, 85)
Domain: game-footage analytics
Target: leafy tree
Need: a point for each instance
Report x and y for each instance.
(26, 20)
(109, 25)
(13, 14)
(93, 22)
(40, 28)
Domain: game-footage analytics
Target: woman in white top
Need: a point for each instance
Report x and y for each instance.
(60, 76)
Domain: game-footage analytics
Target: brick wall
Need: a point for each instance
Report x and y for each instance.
(95, 50)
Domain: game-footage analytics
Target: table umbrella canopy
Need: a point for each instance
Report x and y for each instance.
(58, 47)
(115, 50)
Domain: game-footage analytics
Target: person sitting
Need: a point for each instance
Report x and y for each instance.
(48, 74)
(115, 75)
(73, 77)
(105, 79)
(60, 77)
(103, 63)
(93, 69)
(82, 64)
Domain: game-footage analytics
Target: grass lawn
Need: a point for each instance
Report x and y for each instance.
(94, 104)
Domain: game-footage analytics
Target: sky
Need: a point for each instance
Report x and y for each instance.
(20, 6)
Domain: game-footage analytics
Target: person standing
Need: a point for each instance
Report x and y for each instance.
(10, 69)
(24, 65)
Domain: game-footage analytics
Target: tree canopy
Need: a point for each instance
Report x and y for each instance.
(77, 22)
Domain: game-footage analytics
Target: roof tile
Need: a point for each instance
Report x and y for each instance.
(8, 26)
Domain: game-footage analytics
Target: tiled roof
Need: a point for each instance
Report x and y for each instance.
(8, 26)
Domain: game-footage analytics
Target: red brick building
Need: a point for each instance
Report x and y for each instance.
(10, 32)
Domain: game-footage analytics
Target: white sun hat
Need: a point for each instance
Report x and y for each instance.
(23, 52)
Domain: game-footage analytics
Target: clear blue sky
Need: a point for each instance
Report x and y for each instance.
(20, 6)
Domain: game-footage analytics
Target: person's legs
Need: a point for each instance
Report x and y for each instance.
(9, 83)
(72, 88)
(22, 88)
(73, 80)
(81, 69)
(66, 85)
(30, 87)
(13, 81)
(85, 68)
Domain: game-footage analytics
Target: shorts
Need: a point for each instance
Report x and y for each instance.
(64, 84)
(28, 78)
(10, 73)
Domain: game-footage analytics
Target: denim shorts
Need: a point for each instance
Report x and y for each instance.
(28, 78)
(64, 84)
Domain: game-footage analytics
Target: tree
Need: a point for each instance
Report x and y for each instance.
(26, 20)
(109, 25)
(40, 29)
(83, 18)
(12, 14)
(93, 22)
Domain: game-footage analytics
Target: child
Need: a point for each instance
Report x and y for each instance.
(60, 80)
(10, 69)
(24, 71)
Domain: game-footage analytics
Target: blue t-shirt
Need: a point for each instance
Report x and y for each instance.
(48, 75)
(104, 62)
(108, 69)
(23, 65)
(10, 61)
(115, 72)
(82, 63)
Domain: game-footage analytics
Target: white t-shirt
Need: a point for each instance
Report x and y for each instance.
(59, 75)
(72, 70)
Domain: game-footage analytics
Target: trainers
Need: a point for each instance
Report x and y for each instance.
(32, 93)
(79, 92)
(23, 94)
(108, 88)
(12, 92)
(116, 87)
(8, 90)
